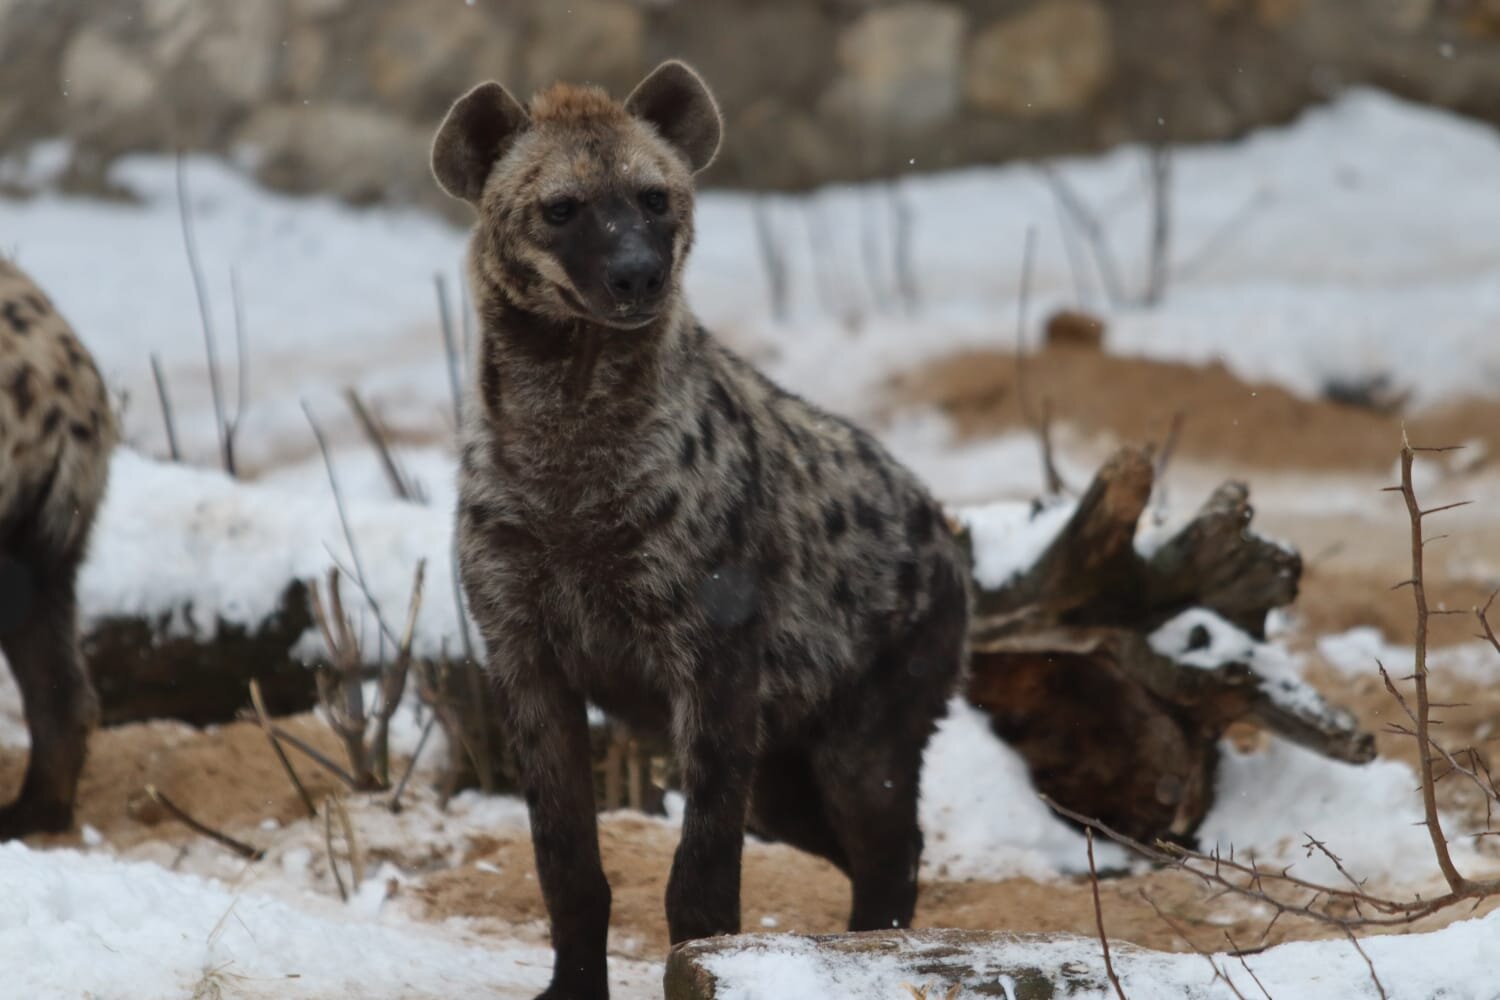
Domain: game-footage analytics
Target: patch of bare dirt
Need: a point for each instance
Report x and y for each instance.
(1331, 601)
(225, 776)
(1227, 420)
(228, 777)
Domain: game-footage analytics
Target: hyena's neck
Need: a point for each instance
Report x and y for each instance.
(546, 385)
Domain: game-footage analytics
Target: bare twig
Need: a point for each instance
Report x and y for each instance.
(1379, 987)
(411, 765)
(1109, 965)
(239, 847)
(241, 368)
(1041, 423)
(190, 242)
(1159, 166)
(166, 409)
(264, 718)
(1088, 225)
(1241, 956)
(903, 224)
(772, 257)
(1177, 929)
(401, 483)
(333, 861)
(451, 349)
(338, 501)
(315, 755)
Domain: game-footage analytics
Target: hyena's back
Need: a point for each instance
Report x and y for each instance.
(56, 428)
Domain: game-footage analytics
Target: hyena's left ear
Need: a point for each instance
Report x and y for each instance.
(677, 101)
(479, 128)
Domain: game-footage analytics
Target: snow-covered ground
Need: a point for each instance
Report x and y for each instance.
(1333, 247)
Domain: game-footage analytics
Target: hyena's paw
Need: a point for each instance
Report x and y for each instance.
(23, 818)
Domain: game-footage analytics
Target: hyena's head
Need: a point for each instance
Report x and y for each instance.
(585, 203)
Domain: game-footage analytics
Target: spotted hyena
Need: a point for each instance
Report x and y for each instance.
(56, 433)
(650, 525)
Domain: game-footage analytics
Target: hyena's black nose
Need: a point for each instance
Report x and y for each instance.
(635, 276)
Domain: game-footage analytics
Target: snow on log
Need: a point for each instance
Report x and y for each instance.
(195, 584)
(889, 964)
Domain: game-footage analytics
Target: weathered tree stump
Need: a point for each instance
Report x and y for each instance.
(1110, 725)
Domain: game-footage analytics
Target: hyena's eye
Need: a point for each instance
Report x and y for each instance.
(559, 211)
(655, 200)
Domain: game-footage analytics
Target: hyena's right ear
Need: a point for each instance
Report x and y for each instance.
(479, 128)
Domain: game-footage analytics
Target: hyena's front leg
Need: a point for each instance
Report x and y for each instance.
(716, 728)
(548, 723)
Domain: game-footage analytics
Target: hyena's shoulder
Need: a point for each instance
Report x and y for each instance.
(56, 426)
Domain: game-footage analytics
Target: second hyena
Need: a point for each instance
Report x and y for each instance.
(56, 434)
(648, 524)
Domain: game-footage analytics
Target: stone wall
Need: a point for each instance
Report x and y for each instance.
(343, 95)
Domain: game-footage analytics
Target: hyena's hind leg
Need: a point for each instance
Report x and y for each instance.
(39, 636)
(787, 805)
(869, 764)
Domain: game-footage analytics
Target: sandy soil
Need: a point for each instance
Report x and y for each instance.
(1224, 419)
(227, 777)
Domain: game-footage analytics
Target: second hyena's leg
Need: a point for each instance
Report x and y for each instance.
(548, 725)
(715, 727)
(39, 636)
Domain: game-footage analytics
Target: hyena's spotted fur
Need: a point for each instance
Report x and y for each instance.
(650, 525)
(56, 434)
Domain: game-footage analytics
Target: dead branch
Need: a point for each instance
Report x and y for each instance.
(264, 719)
(1041, 424)
(1159, 172)
(190, 243)
(333, 861)
(1484, 621)
(903, 224)
(317, 756)
(166, 409)
(239, 847)
(1177, 929)
(1088, 225)
(1241, 956)
(241, 367)
(338, 502)
(1109, 965)
(1456, 881)
(772, 257)
(401, 484)
(1374, 978)
(451, 350)
(411, 765)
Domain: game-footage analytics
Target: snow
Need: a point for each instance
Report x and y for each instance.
(1008, 538)
(77, 924)
(1359, 651)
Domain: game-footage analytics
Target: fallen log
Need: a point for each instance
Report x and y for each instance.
(1115, 668)
(897, 964)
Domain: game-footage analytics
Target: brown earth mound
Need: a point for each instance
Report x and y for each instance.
(1225, 419)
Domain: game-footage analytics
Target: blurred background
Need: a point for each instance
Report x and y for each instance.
(341, 97)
